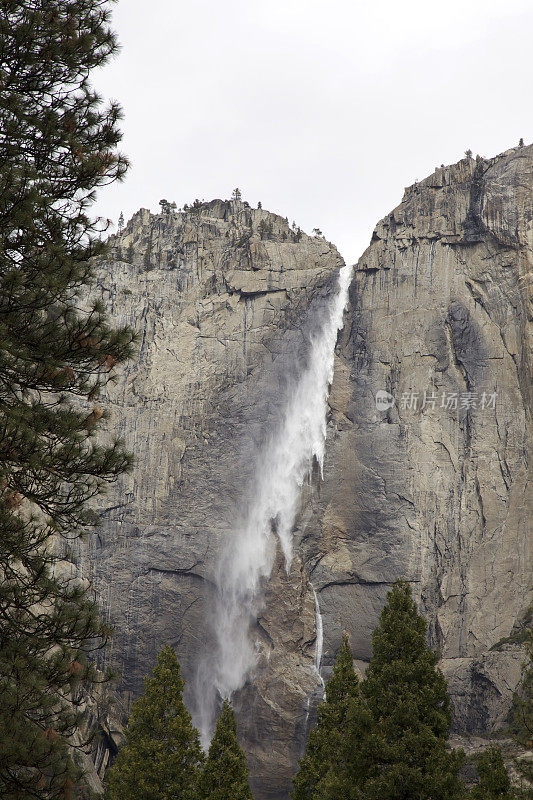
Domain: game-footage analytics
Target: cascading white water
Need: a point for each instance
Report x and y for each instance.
(281, 472)
(319, 644)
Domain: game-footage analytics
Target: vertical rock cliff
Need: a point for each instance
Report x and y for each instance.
(430, 484)
(226, 300)
(433, 484)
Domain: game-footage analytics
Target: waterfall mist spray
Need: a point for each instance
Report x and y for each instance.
(247, 561)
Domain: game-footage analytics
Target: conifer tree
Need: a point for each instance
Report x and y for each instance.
(57, 145)
(407, 696)
(521, 712)
(129, 254)
(494, 782)
(325, 742)
(356, 759)
(161, 754)
(225, 772)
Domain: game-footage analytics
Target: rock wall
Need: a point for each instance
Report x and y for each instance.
(434, 487)
(226, 298)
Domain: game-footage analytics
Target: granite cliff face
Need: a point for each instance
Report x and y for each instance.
(225, 318)
(434, 488)
(227, 300)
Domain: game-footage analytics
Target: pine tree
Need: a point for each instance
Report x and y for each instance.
(161, 754)
(129, 254)
(265, 229)
(57, 145)
(494, 782)
(147, 258)
(356, 759)
(225, 773)
(407, 696)
(120, 221)
(521, 711)
(325, 743)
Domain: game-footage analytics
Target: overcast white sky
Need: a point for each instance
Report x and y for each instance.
(323, 111)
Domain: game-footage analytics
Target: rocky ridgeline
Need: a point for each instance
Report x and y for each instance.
(225, 298)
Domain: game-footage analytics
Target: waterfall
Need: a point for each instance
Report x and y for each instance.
(282, 468)
(319, 644)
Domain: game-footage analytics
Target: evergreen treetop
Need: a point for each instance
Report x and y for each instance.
(161, 755)
(402, 683)
(494, 782)
(407, 696)
(324, 744)
(225, 772)
(521, 711)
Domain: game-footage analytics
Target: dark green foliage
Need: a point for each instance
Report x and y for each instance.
(524, 768)
(129, 254)
(388, 740)
(57, 145)
(147, 258)
(521, 712)
(325, 743)
(225, 773)
(356, 759)
(494, 782)
(161, 755)
(265, 229)
(407, 696)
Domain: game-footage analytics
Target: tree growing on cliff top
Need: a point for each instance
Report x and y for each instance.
(325, 743)
(225, 772)
(57, 145)
(161, 755)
